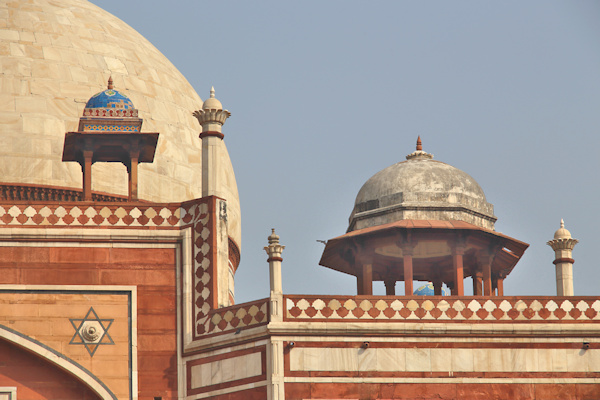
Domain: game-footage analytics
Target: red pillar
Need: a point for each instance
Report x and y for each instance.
(86, 168)
(500, 285)
(458, 270)
(477, 283)
(437, 286)
(367, 279)
(390, 287)
(408, 271)
(487, 277)
(133, 176)
(359, 285)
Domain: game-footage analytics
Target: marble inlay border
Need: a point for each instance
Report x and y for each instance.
(450, 309)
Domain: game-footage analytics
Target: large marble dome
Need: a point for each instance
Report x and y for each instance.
(421, 188)
(55, 55)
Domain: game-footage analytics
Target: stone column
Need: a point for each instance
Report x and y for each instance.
(500, 283)
(477, 279)
(133, 173)
(367, 279)
(86, 168)
(390, 287)
(452, 288)
(274, 250)
(359, 282)
(458, 250)
(485, 259)
(563, 245)
(407, 254)
(211, 117)
(275, 371)
(437, 286)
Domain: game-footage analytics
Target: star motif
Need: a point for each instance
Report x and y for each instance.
(91, 331)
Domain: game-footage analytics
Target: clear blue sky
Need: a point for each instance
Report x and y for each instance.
(325, 94)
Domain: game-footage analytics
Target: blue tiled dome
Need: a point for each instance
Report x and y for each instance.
(427, 290)
(110, 98)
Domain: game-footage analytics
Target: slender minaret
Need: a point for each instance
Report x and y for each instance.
(563, 245)
(274, 250)
(275, 363)
(212, 116)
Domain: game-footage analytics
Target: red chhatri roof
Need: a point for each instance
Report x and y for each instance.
(338, 250)
(425, 224)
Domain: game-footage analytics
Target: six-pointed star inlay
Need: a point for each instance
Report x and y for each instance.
(91, 331)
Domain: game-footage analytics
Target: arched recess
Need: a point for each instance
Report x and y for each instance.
(55, 358)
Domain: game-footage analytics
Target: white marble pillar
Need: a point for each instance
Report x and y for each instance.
(563, 245)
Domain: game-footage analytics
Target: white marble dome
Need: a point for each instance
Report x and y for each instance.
(54, 55)
(421, 188)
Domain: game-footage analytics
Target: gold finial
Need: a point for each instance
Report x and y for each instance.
(419, 145)
(110, 82)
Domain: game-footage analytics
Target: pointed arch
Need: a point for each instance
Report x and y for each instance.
(59, 360)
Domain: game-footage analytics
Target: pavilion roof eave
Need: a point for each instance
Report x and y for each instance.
(509, 255)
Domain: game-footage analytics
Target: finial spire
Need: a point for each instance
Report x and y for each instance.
(212, 116)
(274, 250)
(274, 238)
(562, 223)
(419, 154)
(110, 82)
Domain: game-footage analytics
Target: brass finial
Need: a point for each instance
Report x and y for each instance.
(110, 82)
(419, 145)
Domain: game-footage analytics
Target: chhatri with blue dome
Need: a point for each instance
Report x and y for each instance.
(110, 111)
(110, 98)
(110, 131)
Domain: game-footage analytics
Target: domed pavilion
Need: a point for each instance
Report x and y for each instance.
(422, 219)
(61, 54)
(110, 131)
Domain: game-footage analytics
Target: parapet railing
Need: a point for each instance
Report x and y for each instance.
(514, 309)
(20, 192)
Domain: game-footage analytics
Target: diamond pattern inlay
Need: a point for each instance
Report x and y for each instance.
(495, 309)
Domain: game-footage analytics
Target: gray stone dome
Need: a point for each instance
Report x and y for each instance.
(421, 189)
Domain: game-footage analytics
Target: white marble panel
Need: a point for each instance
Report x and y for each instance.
(418, 359)
(481, 359)
(391, 359)
(229, 369)
(462, 360)
(445, 360)
(519, 359)
(441, 360)
(559, 360)
(545, 360)
(577, 360)
(367, 359)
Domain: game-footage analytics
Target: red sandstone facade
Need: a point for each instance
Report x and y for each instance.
(106, 297)
(121, 300)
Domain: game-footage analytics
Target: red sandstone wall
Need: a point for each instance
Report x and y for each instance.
(380, 391)
(250, 394)
(36, 378)
(151, 270)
